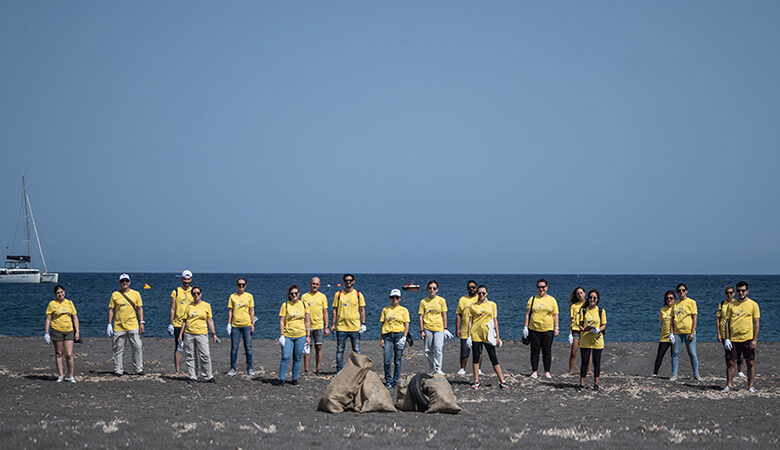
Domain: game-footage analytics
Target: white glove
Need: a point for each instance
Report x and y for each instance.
(595, 331)
(468, 341)
(571, 339)
(401, 344)
(46, 338)
(170, 329)
(362, 329)
(525, 332)
(229, 328)
(180, 347)
(282, 340)
(306, 349)
(109, 330)
(727, 344)
(447, 334)
(672, 338)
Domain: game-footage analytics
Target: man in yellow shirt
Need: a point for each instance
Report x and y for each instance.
(462, 323)
(318, 310)
(349, 318)
(180, 298)
(742, 335)
(125, 310)
(241, 325)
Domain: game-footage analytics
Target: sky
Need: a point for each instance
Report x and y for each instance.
(399, 137)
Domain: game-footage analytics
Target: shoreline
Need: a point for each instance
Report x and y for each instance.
(159, 408)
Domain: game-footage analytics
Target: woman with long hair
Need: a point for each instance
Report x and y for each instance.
(483, 315)
(667, 333)
(294, 330)
(577, 301)
(64, 323)
(541, 327)
(433, 326)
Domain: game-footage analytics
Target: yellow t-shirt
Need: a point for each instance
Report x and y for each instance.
(294, 318)
(182, 299)
(722, 315)
(665, 316)
(394, 319)
(124, 313)
(61, 315)
(482, 313)
(575, 315)
(591, 319)
(741, 315)
(348, 305)
(431, 310)
(542, 315)
(683, 315)
(197, 316)
(317, 303)
(463, 311)
(240, 305)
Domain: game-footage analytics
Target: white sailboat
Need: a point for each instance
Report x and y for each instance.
(18, 268)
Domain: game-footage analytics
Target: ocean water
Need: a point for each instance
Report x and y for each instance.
(631, 301)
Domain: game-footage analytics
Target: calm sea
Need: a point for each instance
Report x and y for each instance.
(631, 301)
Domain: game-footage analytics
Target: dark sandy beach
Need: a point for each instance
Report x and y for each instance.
(159, 409)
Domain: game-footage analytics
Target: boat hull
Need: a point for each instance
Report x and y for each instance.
(16, 277)
(50, 277)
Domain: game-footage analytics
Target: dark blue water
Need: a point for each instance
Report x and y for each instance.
(631, 301)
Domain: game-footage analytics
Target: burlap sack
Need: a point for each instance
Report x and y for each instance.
(373, 395)
(440, 396)
(344, 387)
(403, 399)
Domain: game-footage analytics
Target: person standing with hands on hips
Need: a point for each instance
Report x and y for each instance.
(684, 326)
(433, 326)
(126, 324)
(541, 327)
(349, 318)
(241, 325)
(742, 335)
(180, 298)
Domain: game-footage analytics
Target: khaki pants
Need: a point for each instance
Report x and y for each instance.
(198, 345)
(120, 339)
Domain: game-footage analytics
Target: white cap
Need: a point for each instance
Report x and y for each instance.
(186, 274)
(124, 276)
(395, 293)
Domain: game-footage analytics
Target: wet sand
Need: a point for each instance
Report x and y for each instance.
(160, 409)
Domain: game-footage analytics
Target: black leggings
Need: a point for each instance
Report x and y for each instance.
(585, 355)
(541, 340)
(659, 357)
(476, 351)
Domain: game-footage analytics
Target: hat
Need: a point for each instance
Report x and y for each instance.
(395, 293)
(186, 274)
(124, 276)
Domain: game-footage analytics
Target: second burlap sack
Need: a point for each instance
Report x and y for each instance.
(440, 396)
(345, 386)
(373, 395)
(404, 400)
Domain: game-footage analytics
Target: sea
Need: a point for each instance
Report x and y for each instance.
(631, 302)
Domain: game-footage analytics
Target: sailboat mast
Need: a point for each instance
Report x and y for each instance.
(26, 217)
(28, 206)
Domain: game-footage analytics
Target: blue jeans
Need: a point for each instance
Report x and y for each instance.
(236, 335)
(341, 342)
(691, 347)
(292, 347)
(392, 355)
(434, 343)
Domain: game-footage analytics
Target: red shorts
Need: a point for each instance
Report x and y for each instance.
(741, 348)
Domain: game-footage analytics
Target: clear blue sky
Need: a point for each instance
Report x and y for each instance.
(464, 137)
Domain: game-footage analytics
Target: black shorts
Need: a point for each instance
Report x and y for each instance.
(465, 351)
(741, 348)
(176, 331)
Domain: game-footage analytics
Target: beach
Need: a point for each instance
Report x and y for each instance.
(160, 408)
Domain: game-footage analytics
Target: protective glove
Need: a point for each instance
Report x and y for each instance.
(170, 329)
(282, 340)
(362, 329)
(571, 339)
(401, 344)
(595, 331)
(672, 338)
(468, 341)
(727, 344)
(109, 330)
(229, 328)
(180, 348)
(46, 338)
(447, 334)
(306, 349)
(525, 332)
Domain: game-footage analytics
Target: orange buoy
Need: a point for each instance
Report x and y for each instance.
(146, 286)
(338, 284)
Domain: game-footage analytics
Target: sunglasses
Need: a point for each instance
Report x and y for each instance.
(349, 281)
(741, 290)
(196, 293)
(729, 292)
(670, 298)
(241, 284)
(293, 293)
(395, 296)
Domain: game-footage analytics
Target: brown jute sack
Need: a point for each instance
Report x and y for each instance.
(343, 388)
(373, 395)
(404, 400)
(440, 395)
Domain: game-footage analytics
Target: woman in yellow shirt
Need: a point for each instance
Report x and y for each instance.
(61, 317)
(395, 329)
(593, 322)
(541, 327)
(576, 301)
(433, 326)
(195, 338)
(295, 331)
(483, 315)
(667, 329)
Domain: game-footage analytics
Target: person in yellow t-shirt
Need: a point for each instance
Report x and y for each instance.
(684, 322)
(395, 329)
(198, 320)
(483, 315)
(61, 317)
(433, 326)
(294, 330)
(241, 325)
(742, 335)
(318, 312)
(462, 322)
(180, 298)
(349, 318)
(126, 324)
(721, 322)
(667, 332)
(593, 322)
(541, 327)
(577, 301)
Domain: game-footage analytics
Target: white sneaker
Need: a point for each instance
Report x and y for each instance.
(726, 389)
(72, 380)
(698, 378)
(438, 372)
(673, 378)
(741, 375)
(481, 372)
(462, 372)
(232, 373)
(654, 375)
(752, 390)
(250, 372)
(59, 379)
(548, 376)
(534, 375)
